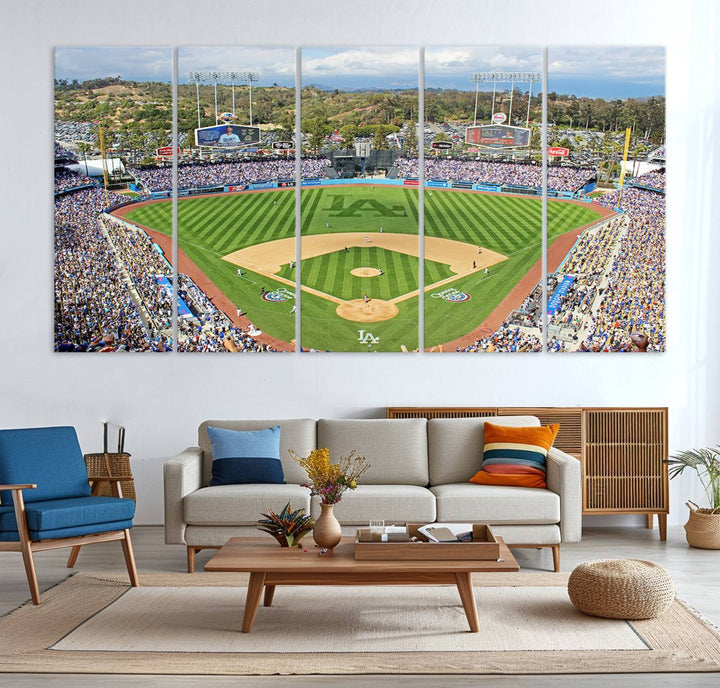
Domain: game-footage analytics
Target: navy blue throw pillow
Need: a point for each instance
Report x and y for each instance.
(241, 457)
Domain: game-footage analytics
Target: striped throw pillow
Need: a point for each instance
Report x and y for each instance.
(515, 456)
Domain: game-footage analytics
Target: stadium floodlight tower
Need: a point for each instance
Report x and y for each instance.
(233, 76)
(249, 77)
(197, 77)
(505, 77)
(215, 76)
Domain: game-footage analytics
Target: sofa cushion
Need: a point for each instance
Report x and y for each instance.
(295, 433)
(90, 514)
(455, 445)
(227, 505)
(496, 504)
(396, 449)
(382, 502)
(515, 456)
(245, 456)
(51, 458)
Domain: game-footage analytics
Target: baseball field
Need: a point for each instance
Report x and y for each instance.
(360, 258)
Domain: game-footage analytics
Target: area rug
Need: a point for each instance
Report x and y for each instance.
(189, 624)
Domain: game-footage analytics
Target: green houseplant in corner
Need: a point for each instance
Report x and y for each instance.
(703, 527)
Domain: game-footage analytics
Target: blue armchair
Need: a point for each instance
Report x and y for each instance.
(45, 499)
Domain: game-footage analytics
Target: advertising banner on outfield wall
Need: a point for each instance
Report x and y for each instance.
(311, 182)
(411, 182)
(283, 183)
(462, 185)
(442, 183)
(262, 185)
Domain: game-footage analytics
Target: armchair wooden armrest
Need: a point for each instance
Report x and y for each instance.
(29, 486)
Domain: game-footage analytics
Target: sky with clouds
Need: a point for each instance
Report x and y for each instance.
(608, 72)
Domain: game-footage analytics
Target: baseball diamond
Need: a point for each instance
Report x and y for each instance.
(480, 244)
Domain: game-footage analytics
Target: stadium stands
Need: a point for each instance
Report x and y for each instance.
(108, 295)
(498, 173)
(232, 173)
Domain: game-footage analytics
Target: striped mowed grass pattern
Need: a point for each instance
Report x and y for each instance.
(211, 227)
(331, 273)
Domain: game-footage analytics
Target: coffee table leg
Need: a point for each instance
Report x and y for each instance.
(467, 597)
(269, 592)
(252, 601)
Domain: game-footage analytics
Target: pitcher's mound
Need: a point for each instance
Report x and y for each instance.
(365, 272)
(374, 310)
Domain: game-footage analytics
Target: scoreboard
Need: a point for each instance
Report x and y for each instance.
(227, 136)
(498, 136)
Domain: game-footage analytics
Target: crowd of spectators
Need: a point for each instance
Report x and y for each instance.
(94, 310)
(506, 338)
(62, 153)
(634, 298)
(652, 180)
(240, 172)
(619, 270)
(497, 173)
(67, 179)
(109, 292)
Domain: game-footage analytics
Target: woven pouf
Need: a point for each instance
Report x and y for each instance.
(621, 589)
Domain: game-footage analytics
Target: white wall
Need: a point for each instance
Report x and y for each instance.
(162, 398)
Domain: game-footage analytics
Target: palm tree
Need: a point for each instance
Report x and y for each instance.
(84, 148)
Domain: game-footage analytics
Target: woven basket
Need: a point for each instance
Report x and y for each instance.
(110, 466)
(703, 527)
(621, 589)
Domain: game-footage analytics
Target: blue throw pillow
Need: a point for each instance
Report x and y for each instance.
(241, 457)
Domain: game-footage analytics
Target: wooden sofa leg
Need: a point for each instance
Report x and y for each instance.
(129, 559)
(556, 558)
(72, 559)
(191, 559)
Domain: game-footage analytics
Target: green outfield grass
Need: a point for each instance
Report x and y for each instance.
(211, 227)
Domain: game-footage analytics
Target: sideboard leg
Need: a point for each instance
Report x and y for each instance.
(662, 523)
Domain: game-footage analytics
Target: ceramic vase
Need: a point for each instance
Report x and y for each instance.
(326, 532)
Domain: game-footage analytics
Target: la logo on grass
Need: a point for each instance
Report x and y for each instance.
(362, 207)
(367, 337)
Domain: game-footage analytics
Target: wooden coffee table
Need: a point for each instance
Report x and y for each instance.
(270, 565)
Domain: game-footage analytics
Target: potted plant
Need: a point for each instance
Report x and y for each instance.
(703, 527)
(328, 481)
(288, 527)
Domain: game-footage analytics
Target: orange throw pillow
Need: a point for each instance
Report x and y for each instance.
(515, 456)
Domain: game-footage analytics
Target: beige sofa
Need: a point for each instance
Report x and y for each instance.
(419, 472)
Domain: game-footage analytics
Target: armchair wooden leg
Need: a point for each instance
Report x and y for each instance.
(191, 559)
(556, 558)
(26, 545)
(129, 559)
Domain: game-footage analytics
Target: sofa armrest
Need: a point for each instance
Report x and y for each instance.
(181, 476)
(564, 477)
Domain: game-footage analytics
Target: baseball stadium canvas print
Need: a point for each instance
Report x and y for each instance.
(360, 248)
(606, 111)
(483, 187)
(112, 282)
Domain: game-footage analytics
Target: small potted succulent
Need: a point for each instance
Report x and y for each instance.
(288, 527)
(703, 528)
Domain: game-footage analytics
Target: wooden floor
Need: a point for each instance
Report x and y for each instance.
(696, 574)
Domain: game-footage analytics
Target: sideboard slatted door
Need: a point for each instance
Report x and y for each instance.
(569, 437)
(623, 462)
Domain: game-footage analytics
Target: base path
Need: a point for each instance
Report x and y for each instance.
(462, 258)
(557, 251)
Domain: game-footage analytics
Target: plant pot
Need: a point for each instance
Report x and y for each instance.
(327, 532)
(703, 527)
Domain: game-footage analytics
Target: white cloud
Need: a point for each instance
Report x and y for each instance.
(130, 62)
(380, 62)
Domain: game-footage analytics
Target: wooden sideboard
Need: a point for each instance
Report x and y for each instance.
(622, 451)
